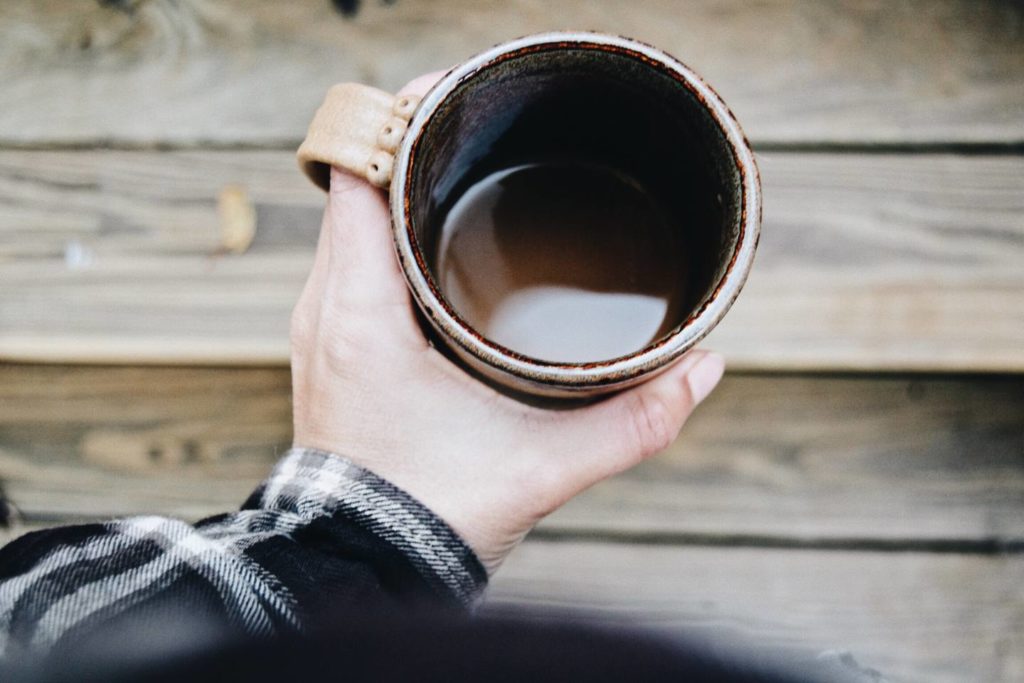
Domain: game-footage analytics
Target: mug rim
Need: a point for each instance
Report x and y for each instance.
(588, 374)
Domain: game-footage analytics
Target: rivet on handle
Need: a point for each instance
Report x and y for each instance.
(391, 134)
(359, 129)
(405, 106)
(379, 168)
(382, 162)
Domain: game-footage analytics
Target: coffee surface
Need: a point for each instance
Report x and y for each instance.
(562, 262)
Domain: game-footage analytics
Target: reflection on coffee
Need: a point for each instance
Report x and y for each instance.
(563, 262)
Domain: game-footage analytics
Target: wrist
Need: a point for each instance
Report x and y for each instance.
(315, 483)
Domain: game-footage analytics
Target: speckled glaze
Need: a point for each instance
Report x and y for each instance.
(536, 377)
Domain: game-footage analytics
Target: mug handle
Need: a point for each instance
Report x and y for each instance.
(357, 128)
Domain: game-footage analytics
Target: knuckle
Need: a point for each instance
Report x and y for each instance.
(342, 327)
(302, 326)
(328, 326)
(654, 428)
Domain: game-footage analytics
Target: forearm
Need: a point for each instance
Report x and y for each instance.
(318, 532)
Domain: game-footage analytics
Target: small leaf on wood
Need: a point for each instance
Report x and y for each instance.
(237, 219)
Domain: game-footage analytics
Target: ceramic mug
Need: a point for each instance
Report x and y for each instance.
(608, 99)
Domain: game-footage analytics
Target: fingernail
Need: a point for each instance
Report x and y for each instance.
(704, 376)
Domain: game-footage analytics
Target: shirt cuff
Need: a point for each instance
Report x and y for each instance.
(312, 484)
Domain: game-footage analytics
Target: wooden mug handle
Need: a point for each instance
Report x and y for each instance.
(357, 128)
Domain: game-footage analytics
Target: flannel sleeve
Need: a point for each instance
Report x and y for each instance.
(319, 532)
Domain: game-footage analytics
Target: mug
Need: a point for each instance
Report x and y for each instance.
(574, 112)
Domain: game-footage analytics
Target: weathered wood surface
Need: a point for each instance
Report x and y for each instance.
(767, 459)
(813, 458)
(913, 616)
(106, 441)
(792, 510)
(866, 261)
(252, 72)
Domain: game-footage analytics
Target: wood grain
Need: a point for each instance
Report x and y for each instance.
(797, 460)
(911, 616)
(814, 458)
(867, 261)
(106, 441)
(252, 72)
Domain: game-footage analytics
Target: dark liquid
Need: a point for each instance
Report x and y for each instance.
(562, 263)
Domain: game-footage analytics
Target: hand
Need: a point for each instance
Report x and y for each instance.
(368, 386)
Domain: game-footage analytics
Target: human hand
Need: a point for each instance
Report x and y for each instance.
(367, 385)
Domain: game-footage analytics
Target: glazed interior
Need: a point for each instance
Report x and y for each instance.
(594, 105)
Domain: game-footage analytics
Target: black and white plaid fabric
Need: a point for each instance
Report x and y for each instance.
(319, 531)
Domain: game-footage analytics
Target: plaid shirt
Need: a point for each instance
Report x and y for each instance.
(319, 532)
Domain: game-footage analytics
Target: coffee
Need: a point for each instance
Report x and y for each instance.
(563, 262)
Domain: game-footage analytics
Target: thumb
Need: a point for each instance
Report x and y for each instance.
(620, 432)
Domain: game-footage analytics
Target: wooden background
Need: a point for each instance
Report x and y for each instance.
(857, 482)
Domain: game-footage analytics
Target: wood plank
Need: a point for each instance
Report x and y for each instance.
(796, 460)
(885, 262)
(866, 262)
(814, 458)
(252, 72)
(134, 241)
(911, 616)
(108, 441)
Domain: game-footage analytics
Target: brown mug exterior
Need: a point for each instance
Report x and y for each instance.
(378, 137)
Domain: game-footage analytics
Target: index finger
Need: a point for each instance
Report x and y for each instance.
(421, 84)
